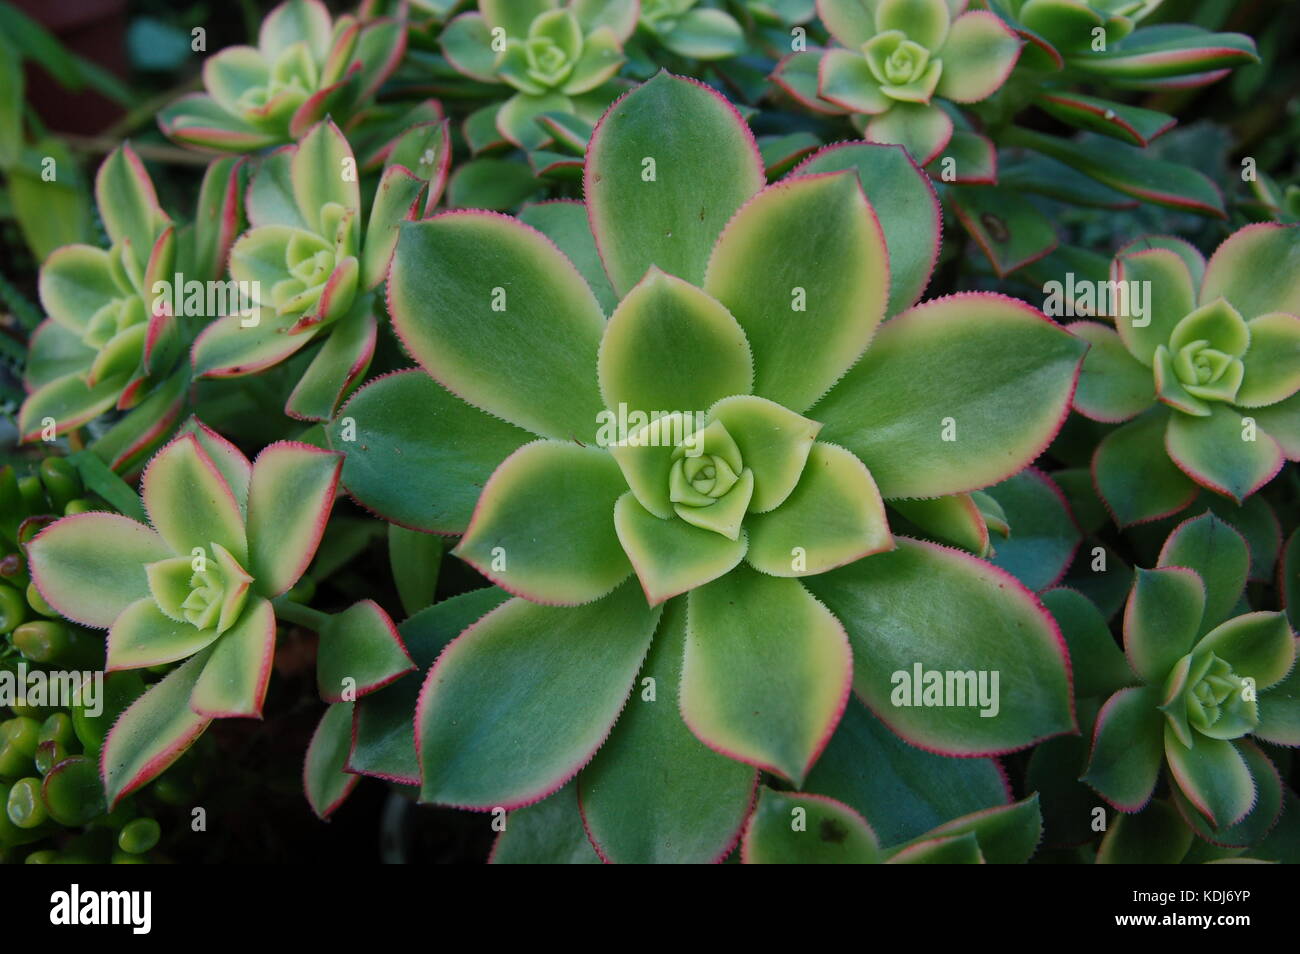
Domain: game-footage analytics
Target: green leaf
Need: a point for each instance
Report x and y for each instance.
(547, 833)
(1279, 712)
(238, 668)
(1162, 619)
(565, 223)
(867, 766)
(667, 167)
(1263, 815)
(950, 850)
(324, 780)
(1149, 55)
(905, 205)
(466, 42)
(360, 652)
(1134, 475)
(671, 347)
(1157, 835)
(706, 34)
(98, 478)
(925, 606)
(834, 516)
(127, 202)
(196, 119)
(654, 794)
(803, 266)
(1097, 665)
(1007, 834)
(143, 636)
(669, 555)
(189, 502)
(974, 160)
(499, 184)
(1272, 365)
(998, 369)
(336, 367)
(511, 538)
(153, 732)
(1131, 124)
(397, 200)
(794, 828)
(1113, 385)
(296, 21)
(1128, 170)
(414, 559)
(497, 314)
(1043, 535)
(1259, 646)
(845, 79)
(1218, 555)
(978, 56)
(1222, 452)
(1213, 775)
(75, 282)
(851, 22)
(955, 520)
(766, 672)
(290, 495)
(773, 442)
(1126, 748)
(522, 700)
(1009, 229)
(90, 566)
(69, 401)
(1257, 269)
(416, 454)
(517, 120)
(385, 732)
(923, 130)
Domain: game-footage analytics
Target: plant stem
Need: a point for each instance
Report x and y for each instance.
(300, 615)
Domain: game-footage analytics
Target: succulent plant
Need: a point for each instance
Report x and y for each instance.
(304, 68)
(557, 57)
(226, 538)
(694, 30)
(738, 494)
(1206, 677)
(1204, 377)
(111, 339)
(900, 57)
(310, 265)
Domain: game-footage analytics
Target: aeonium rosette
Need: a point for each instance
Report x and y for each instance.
(747, 505)
(693, 30)
(113, 338)
(305, 67)
(1206, 378)
(897, 60)
(310, 267)
(558, 57)
(1206, 677)
(226, 538)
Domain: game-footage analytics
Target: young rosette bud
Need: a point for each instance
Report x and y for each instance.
(305, 67)
(558, 57)
(688, 497)
(1203, 680)
(1202, 364)
(898, 56)
(226, 537)
(104, 344)
(308, 269)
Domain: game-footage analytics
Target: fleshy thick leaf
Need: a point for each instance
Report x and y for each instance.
(834, 516)
(1219, 556)
(1126, 748)
(290, 495)
(795, 828)
(152, 733)
(189, 502)
(238, 669)
(1257, 269)
(360, 650)
(1133, 474)
(1214, 777)
(671, 556)
(519, 702)
(1222, 452)
(324, 781)
(766, 671)
(926, 607)
(1113, 385)
(654, 793)
(994, 369)
(500, 317)
(90, 567)
(416, 454)
(667, 167)
(1161, 620)
(804, 268)
(544, 525)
